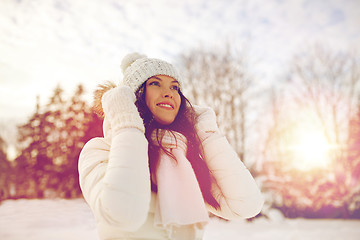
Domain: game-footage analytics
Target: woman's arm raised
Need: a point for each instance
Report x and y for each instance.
(114, 172)
(235, 188)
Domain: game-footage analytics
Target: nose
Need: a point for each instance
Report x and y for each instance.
(167, 93)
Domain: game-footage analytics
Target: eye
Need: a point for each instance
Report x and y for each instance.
(175, 87)
(154, 83)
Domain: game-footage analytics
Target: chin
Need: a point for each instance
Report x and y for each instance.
(164, 121)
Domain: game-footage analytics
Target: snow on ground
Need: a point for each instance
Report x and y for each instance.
(72, 220)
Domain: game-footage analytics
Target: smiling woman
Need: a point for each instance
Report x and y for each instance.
(163, 164)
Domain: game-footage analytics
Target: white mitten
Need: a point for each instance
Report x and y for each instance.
(206, 124)
(206, 120)
(120, 111)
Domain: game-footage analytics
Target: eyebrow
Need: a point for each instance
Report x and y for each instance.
(174, 81)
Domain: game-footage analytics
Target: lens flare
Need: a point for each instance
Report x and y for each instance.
(310, 149)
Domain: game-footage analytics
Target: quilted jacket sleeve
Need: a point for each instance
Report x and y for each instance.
(235, 188)
(115, 179)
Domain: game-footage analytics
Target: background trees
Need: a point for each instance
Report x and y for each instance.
(221, 78)
(352, 166)
(51, 141)
(4, 172)
(305, 136)
(320, 99)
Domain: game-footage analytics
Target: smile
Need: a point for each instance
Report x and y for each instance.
(165, 105)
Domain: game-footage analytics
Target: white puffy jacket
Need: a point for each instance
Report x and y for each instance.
(115, 181)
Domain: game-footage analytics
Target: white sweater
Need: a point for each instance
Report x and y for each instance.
(115, 181)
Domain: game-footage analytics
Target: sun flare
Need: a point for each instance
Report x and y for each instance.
(309, 149)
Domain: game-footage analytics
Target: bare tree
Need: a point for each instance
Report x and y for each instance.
(326, 84)
(220, 78)
(329, 83)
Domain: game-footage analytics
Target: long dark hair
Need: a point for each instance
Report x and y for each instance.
(184, 123)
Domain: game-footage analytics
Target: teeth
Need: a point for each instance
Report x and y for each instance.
(165, 105)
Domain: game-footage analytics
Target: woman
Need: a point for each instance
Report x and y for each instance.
(162, 164)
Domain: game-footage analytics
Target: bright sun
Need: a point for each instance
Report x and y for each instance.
(309, 149)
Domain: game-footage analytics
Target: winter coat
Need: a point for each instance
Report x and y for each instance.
(115, 182)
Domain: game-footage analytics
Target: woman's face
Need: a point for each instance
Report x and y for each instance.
(162, 98)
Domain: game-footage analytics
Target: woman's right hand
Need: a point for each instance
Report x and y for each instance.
(120, 111)
(107, 166)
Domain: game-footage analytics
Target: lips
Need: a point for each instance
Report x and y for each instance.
(166, 105)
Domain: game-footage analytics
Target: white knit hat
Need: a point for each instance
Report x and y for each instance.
(138, 68)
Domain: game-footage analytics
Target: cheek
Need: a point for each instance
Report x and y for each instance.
(149, 99)
(178, 101)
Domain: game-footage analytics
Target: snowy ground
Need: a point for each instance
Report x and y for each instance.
(72, 220)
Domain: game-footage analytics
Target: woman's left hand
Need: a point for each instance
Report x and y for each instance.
(206, 120)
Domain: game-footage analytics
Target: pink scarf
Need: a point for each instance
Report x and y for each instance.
(180, 206)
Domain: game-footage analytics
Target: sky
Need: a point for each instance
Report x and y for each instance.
(46, 43)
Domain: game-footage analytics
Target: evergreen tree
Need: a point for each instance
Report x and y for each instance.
(51, 143)
(34, 159)
(78, 118)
